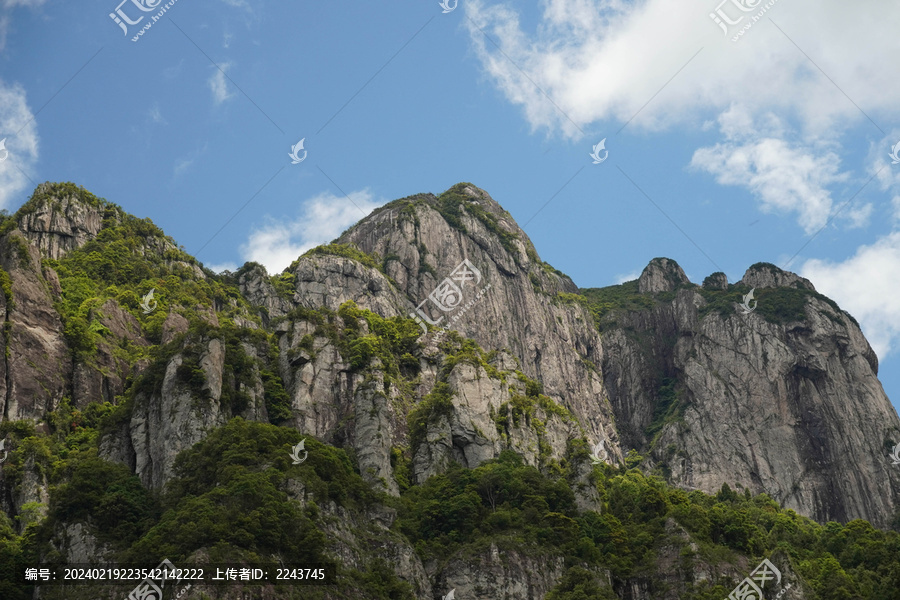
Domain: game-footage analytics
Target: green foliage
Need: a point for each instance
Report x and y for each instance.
(381, 581)
(346, 251)
(452, 203)
(278, 401)
(109, 497)
(229, 489)
(580, 584)
(285, 284)
(389, 340)
(436, 404)
(779, 305)
(6, 286)
(624, 297)
(668, 408)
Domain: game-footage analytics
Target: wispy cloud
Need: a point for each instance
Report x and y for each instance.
(21, 143)
(218, 84)
(156, 116)
(279, 242)
(28, 3)
(186, 162)
(786, 176)
(867, 287)
(5, 20)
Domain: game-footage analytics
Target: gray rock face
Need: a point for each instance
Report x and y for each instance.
(716, 281)
(765, 275)
(501, 574)
(521, 311)
(60, 225)
(758, 404)
(172, 418)
(661, 275)
(259, 291)
(37, 366)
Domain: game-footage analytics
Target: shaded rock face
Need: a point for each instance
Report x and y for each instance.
(60, 226)
(172, 418)
(772, 407)
(37, 367)
(259, 291)
(501, 574)
(716, 281)
(661, 275)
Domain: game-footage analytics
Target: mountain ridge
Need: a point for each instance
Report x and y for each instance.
(658, 373)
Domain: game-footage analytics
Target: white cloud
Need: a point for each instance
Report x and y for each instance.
(186, 162)
(28, 3)
(606, 59)
(173, 71)
(156, 116)
(786, 176)
(628, 277)
(21, 144)
(278, 243)
(5, 20)
(867, 286)
(225, 266)
(218, 84)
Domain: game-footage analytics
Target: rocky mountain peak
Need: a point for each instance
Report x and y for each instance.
(716, 281)
(61, 217)
(767, 275)
(661, 275)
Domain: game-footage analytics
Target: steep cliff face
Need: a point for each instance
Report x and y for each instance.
(423, 239)
(36, 367)
(783, 399)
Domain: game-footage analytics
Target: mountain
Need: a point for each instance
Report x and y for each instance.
(471, 419)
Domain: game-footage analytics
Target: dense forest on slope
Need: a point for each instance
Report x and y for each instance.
(230, 502)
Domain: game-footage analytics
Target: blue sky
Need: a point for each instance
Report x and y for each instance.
(774, 147)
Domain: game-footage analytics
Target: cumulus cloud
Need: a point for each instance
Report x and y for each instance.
(21, 144)
(787, 177)
(278, 243)
(606, 59)
(865, 285)
(218, 84)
